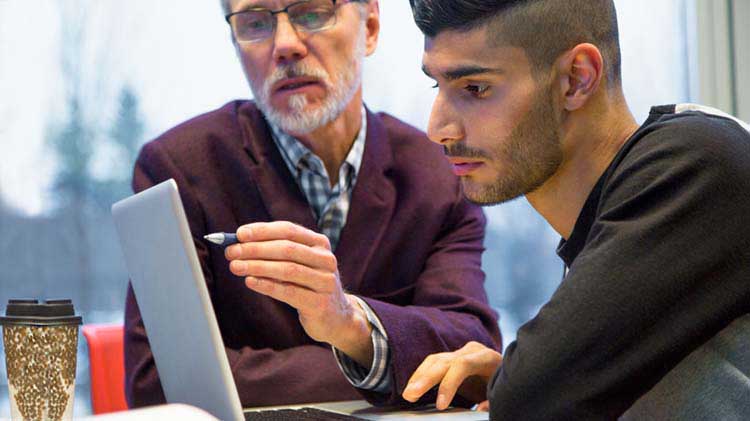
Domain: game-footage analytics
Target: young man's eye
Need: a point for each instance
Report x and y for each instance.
(435, 86)
(477, 90)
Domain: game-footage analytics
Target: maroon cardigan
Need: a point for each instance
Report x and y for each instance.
(411, 248)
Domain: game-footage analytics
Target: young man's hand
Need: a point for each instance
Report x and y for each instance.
(465, 372)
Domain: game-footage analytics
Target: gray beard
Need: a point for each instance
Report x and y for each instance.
(301, 120)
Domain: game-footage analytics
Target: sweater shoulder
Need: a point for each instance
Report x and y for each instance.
(685, 146)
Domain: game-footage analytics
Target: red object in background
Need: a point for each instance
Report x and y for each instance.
(107, 367)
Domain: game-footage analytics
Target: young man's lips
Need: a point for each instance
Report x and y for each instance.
(465, 168)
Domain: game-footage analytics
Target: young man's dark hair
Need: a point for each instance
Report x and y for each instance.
(543, 28)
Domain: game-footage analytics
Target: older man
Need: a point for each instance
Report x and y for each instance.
(354, 233)
(651, 320)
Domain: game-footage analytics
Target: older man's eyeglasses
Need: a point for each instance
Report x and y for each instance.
(258, 24)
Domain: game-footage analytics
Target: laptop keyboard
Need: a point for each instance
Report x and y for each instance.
(297, 414)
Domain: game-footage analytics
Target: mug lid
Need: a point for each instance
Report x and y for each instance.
(32, 312)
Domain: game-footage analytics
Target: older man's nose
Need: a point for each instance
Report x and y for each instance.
(287, 44)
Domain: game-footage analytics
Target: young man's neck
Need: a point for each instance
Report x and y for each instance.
(590, 143)
(333, 141)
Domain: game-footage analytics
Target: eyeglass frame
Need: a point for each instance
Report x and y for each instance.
(284, 10)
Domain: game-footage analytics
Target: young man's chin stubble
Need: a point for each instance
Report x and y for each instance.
(526, 159)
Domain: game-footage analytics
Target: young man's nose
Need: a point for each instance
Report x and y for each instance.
(444, 126)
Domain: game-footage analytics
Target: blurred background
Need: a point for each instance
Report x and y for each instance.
(84, 83)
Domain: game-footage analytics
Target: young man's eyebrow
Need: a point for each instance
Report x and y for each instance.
(463, 71)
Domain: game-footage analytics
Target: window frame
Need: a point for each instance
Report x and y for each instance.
(723, 55)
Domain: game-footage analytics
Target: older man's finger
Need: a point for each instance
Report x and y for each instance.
(314, 279)
(298, 297)
(283, 250)
(282, 230)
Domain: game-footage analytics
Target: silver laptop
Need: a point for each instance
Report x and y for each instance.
(173, 299)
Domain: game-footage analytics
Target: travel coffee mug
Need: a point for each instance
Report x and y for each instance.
(40, 339)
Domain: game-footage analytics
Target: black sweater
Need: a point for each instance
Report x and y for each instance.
(659, 262)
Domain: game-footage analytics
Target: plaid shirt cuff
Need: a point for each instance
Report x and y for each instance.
(378, 378)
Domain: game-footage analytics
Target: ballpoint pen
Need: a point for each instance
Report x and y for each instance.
(222, 238)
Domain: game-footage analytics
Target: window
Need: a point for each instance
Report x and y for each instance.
(82, 95)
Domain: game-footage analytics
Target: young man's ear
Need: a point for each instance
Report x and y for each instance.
(581, 71)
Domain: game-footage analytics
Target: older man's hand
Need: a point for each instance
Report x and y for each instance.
(294, 265)
(466, 372)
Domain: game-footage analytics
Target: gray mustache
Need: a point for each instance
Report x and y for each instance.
(297, 70)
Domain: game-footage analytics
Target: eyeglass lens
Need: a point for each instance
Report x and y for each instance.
(306, 16)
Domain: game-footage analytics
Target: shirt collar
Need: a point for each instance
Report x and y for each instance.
(296, 155)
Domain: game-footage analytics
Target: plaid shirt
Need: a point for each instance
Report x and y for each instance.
(330, 206)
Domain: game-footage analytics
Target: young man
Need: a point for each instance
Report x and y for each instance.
(653, 218)
(348, 240)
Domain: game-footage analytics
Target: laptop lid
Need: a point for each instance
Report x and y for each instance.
(173, 299)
